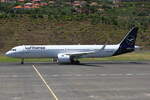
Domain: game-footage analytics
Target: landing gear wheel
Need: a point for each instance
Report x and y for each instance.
(54, 60)
(22, 61)
(75, 62)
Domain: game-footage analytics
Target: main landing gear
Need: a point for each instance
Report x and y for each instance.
(22, 61)
(75, 61)
(54, 60)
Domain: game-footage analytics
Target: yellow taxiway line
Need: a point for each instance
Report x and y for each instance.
(46, 84)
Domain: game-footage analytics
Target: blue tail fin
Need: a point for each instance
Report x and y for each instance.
(128, 43)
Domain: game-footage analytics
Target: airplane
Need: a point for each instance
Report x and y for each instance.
(71, 53)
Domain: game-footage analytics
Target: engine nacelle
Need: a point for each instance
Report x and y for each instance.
(62, 58)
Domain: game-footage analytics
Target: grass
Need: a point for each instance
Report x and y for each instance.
(8, 59)
(142, 56)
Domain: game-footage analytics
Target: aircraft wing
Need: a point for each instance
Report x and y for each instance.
(78, 54)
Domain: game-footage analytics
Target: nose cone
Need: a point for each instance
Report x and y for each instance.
(8, 54)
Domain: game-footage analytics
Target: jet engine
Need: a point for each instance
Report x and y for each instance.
(63, 58)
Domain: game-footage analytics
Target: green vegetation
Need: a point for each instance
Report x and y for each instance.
(127, 15)
(7, 59)
(23, 31)
(60, 23)
(142, 56)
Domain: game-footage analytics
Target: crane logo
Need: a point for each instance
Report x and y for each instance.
(130, 40)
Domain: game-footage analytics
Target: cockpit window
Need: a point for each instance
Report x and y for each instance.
(13, 49)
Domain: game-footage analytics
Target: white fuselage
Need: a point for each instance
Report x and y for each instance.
(52, 51)
(70, 53)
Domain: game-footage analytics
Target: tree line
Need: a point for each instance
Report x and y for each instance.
(123, 17)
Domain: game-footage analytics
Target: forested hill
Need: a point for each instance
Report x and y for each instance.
(102, 23)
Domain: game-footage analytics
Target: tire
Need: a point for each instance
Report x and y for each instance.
(75, 62)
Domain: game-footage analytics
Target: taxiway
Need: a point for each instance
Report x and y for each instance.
(88, 81)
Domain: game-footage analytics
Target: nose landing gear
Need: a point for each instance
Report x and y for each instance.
(22, 61)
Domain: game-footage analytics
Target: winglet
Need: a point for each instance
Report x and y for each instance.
(103, 47)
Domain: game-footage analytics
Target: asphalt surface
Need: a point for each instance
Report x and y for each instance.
(89, 81)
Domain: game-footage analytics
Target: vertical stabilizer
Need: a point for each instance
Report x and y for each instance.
(128, 43)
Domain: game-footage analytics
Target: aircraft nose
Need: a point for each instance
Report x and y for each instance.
(7, 53)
